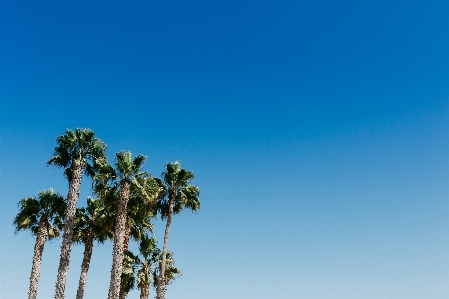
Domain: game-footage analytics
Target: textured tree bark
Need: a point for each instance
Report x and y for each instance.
(88, 247)
(145, 292)
(125, 249)
(72, 198)
(122, 294)
(37, 258)
(119, 237)
(126, 239)
(160, 288)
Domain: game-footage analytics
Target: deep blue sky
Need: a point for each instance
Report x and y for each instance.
(317, 131)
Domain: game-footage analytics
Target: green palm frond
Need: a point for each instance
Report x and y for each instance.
(128, 271)
(137, 163)
(143, 277)
(147, 246)
(148, 187)
(29, 213)
(96, 218)
(53, 232)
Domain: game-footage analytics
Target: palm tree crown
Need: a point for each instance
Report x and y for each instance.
(178, 190)
(49, 206)
(77, 148)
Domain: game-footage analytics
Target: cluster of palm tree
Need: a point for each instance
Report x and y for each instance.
(126, 200)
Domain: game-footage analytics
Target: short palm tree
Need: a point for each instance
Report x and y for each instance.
(73, 152)
(43, 216)
(150, 258)
(171, 271)
(126, 177)
(179, 195)
(149, 265)
(128, 273)
(90, 226)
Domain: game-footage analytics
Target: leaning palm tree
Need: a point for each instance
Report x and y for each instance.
(126, 176)
(179, 194)
(73, 152)
(149, 265)
(43, 216)
(90, 225)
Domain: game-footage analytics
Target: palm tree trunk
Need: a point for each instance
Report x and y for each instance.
(37, 258)
(126, 239)
(125, 249)
(88, 247)
(122, 294)
(119, 237)
(72, 198)
(145, 292)
(161, 282)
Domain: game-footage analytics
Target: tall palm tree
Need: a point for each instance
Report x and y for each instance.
(179, 195)
(149, 265)
(140, 212)
(73, 152)
(89, 226)
(126, 177)
(43, 216)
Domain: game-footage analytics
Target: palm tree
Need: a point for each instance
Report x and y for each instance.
(179, 194)
(149, 265)
(126, 177)
(150, 254)
(73, 152)
(171, 271)
(138, 223)
(89, 226)
(43, 216)
(140, 211)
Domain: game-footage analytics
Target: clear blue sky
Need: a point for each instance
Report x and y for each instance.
(318, 133)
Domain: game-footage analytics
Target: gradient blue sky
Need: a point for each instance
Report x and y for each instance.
(318, 133)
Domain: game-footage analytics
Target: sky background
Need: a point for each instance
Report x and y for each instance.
(318, 133)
